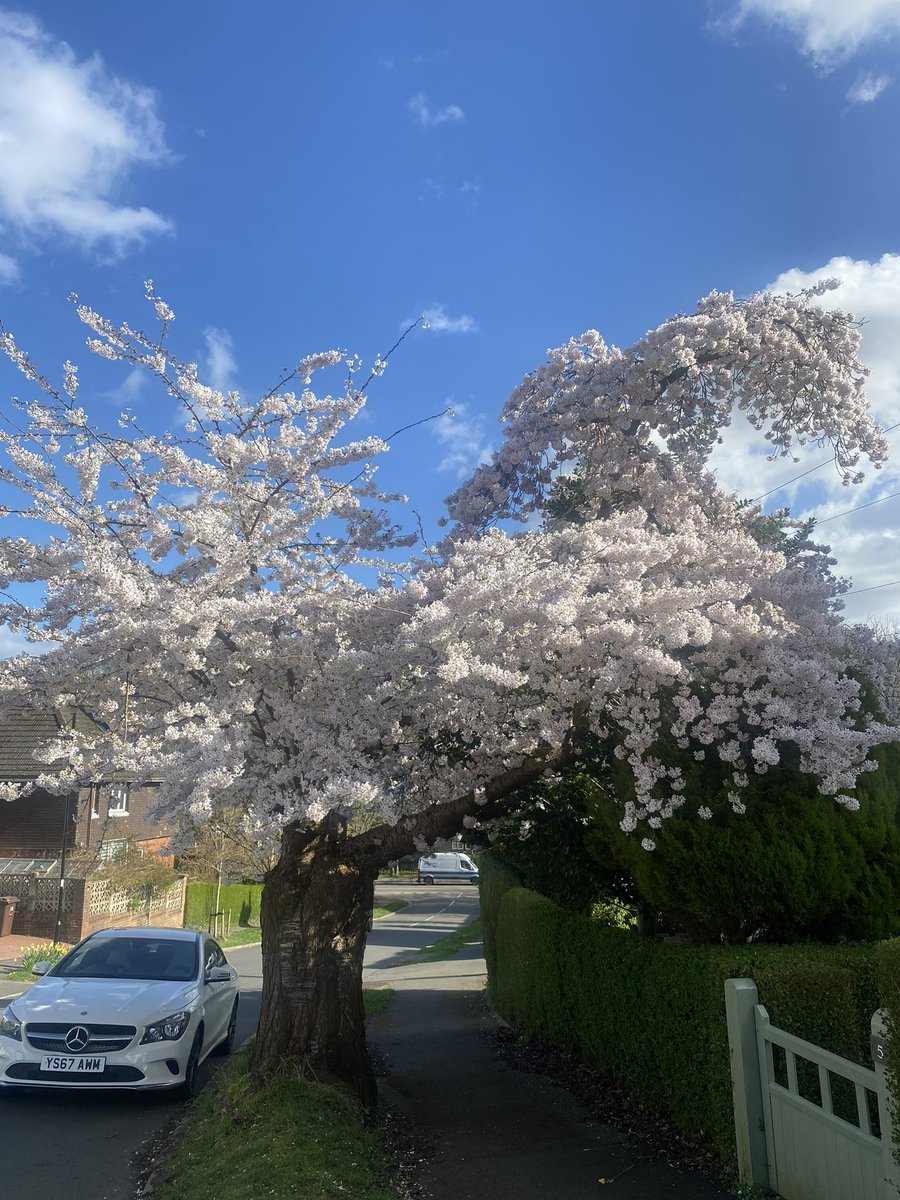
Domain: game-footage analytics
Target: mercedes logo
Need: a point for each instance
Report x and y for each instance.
(77, 1038)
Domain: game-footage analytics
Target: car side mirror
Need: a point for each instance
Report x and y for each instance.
(41, 968)
(218, 975)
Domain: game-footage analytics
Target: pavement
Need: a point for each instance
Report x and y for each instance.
(495, 1132)
(489, 1130)
(11, 947)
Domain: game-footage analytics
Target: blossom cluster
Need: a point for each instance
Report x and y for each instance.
(201, 590)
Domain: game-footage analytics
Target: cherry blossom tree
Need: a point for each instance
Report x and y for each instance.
(201, 591)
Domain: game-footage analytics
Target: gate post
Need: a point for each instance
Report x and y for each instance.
(741, 998)
(889, 1144)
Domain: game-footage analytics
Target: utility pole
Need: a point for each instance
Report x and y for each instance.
(60, 899)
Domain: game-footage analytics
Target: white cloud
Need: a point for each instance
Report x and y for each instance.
(131, 390)
(16, 643)
(437, 319)
(405, 60)
(829, 31)
(868, 88)
(437, 188)
(220, 361)
(464, 438)
(427, 117)
(71, 133)
(866, 543)
(9, 270)
(470, 191)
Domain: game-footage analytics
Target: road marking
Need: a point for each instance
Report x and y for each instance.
(437, 913)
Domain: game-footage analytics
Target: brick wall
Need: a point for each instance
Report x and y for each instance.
(33, 826)
(36, 912)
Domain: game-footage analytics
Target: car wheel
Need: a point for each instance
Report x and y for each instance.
(190, 1087)
(227, 1043)
(428, 879)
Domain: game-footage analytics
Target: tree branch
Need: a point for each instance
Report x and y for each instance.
(385, 843)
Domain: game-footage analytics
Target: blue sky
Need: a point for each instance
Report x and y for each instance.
(297, 177)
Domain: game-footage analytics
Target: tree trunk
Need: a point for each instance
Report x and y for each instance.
(316, 906)
(315, 913)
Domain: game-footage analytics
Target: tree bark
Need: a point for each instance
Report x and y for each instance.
(316, 906)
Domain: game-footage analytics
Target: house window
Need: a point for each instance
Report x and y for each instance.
(95, 801)
(113, 851)
(119, 794)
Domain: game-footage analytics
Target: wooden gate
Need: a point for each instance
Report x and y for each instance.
(809, 1124)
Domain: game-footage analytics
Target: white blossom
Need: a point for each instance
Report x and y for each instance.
(218, 569)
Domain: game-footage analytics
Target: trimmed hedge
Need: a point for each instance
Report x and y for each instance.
(652, 1014)
(243, 899)
(887, 966)
(495, 878)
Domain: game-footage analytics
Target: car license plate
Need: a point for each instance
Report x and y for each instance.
(72, 1064)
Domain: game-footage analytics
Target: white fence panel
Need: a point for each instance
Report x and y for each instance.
(808, 1124)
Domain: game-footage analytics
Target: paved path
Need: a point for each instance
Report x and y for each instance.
(499, 1133)
(12, 944)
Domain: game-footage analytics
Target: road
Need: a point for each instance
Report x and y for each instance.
(79, 1145)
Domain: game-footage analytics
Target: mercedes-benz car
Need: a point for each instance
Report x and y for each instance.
(125, 1008)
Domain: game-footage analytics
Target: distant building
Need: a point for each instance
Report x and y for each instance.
(106, 820)
(104, 816)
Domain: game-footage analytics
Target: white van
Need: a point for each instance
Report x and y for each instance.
(447, 868)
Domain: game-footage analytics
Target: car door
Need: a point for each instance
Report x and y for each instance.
(217, 997)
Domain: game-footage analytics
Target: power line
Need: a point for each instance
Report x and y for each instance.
(873, 588)
(788, 482)
(859, 508)
(803, 474)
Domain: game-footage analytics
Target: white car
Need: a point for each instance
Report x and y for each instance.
(125, 1008)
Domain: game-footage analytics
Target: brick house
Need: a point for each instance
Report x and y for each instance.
(99, 822)
(105, 815)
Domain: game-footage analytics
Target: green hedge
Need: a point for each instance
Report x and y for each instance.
(653, 1015)
(494, 880)
(887, 966)
(242, 899)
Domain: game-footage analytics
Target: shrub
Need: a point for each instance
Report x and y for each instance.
(546, 844)
(887, 966)
(795, 867)
(495, 878)
(653, 1014)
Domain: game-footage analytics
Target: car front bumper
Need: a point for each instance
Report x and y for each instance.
(154, 1066)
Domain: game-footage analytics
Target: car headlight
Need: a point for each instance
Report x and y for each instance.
(169, 1029)
(10, 1025)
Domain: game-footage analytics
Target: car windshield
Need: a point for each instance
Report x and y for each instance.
(173, 959)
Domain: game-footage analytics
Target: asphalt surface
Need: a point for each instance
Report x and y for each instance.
(492, 1131)
(79, 1145)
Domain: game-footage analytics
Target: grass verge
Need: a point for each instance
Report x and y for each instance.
(392, 906)
(291, 1139)
(376, 1000)
(447, 946)
(241, 935)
